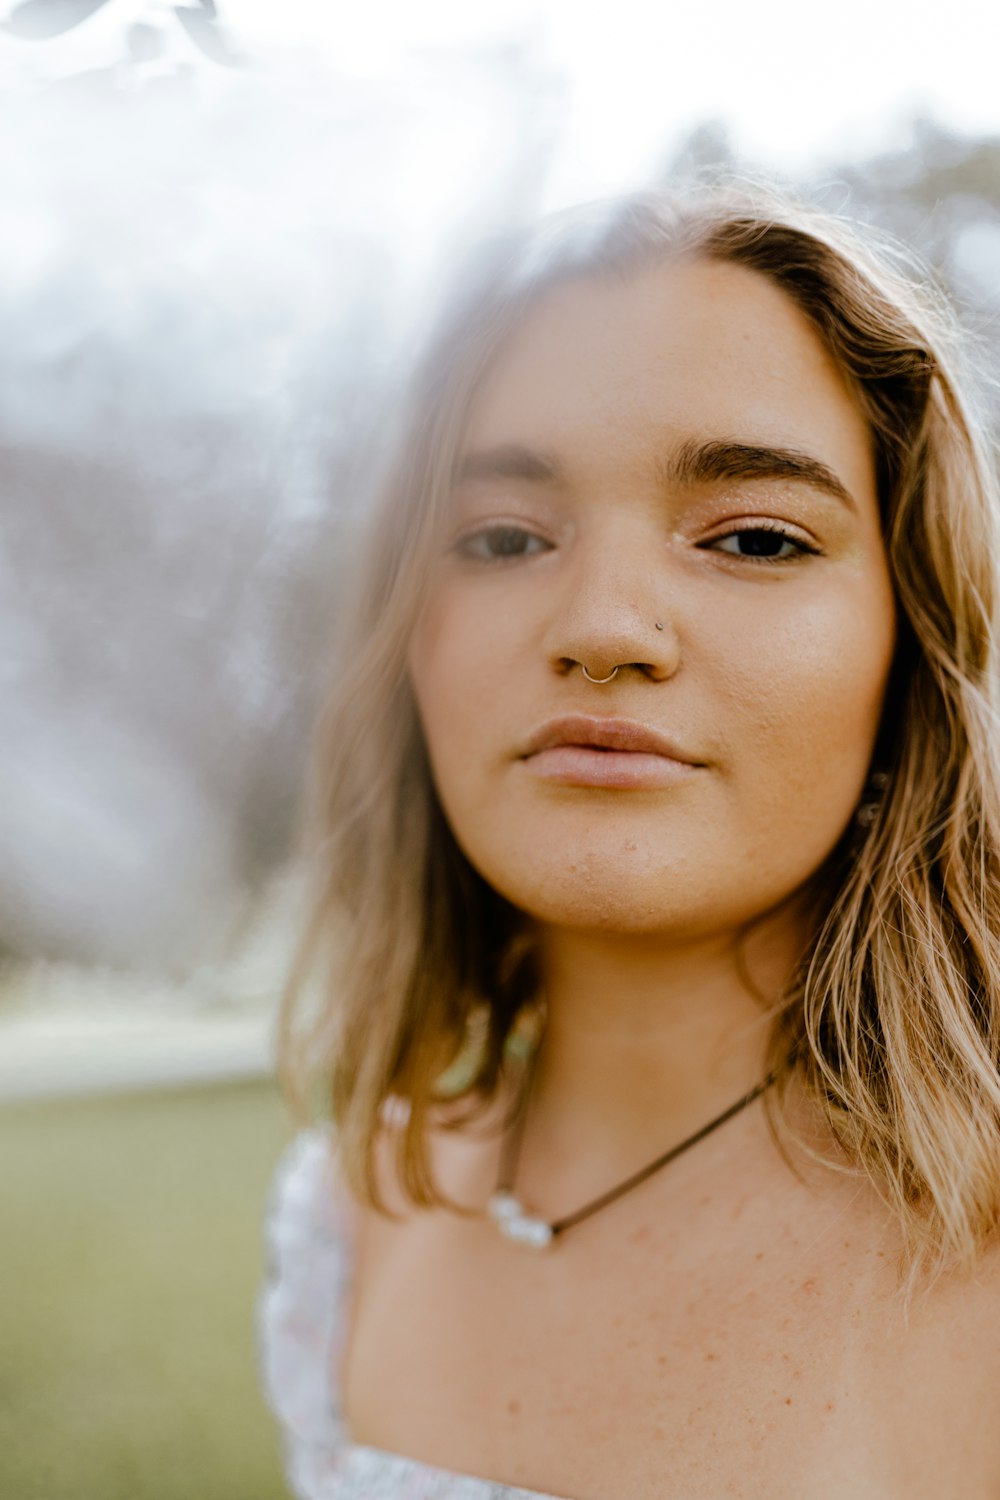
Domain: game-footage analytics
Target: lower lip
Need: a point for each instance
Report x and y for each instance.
(581, 765)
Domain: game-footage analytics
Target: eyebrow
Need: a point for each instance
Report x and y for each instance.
(509, 461)
(694, 462)
(704, 462)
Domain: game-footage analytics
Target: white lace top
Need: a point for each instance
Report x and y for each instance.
(302, 1328)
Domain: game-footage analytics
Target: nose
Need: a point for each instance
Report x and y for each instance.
(611, 612)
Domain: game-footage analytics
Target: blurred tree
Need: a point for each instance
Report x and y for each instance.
(708, 146)
(940, 194)
(39, 20)
(205, 306)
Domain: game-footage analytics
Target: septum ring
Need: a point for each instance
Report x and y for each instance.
(612, 673)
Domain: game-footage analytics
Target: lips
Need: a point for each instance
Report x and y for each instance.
(616, 754)
(625, 735)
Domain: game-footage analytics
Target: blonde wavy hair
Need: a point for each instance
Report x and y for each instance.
(893, 1017)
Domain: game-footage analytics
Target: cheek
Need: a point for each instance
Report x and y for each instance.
(449, 664)
(810, 697)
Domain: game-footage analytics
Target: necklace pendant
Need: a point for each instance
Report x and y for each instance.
(514, 1223)
(504, 1205)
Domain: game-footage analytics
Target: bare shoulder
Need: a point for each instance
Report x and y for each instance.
(954, 1332)
(957, 1316)
(928, 1350)
(937, 1306)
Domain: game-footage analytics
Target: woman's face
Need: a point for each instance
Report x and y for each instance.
(667, 476)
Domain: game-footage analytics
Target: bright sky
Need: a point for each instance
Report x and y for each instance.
(798, 84)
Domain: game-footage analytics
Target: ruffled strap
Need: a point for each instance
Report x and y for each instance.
(310, 1235)
(302, 1311)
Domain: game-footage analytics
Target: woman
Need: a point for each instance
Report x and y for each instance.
(658, 895)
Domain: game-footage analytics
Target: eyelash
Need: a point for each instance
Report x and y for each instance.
(465, 546)
(803, 549)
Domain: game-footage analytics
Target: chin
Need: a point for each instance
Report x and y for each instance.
(636, 891)
(631, 877)
(596, 896)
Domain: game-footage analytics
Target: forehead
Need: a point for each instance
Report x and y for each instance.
(683, 348)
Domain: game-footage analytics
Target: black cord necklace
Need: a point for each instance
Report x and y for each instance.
(513, 1219)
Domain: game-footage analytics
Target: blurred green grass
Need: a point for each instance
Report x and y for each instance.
(130, 1261)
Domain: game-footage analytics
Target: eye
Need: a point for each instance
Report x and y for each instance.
(766, 544)
(496, 543)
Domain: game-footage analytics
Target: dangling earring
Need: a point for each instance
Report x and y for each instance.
(871, 799)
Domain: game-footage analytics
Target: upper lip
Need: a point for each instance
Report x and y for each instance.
(606, 734)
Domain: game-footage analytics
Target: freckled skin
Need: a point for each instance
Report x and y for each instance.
(773, 675)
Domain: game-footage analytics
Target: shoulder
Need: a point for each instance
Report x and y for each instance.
(958, 1316)
(954, 1325)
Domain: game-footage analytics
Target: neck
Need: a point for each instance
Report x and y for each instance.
(648, 1039)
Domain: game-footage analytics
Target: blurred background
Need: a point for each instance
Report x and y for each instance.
(222, 228)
